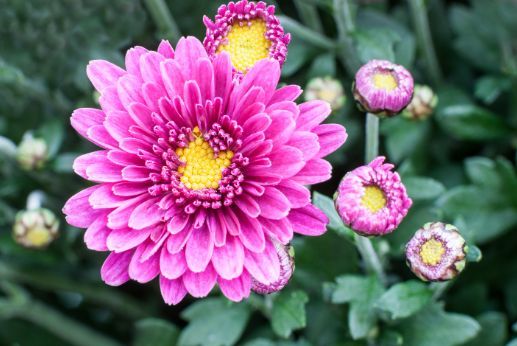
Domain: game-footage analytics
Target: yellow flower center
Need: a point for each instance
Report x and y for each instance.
(202, 167)
(432, 251)
(38, 236)
(247, 43)
(373, 198)
(385, 80)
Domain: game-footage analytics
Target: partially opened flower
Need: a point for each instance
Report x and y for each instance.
(436, 252)
(383, 88)
(248, 31)
(285, 255)
(371, 199)
(198, 174)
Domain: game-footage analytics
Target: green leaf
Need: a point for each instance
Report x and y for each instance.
(404, 299)
(348, 288)
(470, 122)
(474, 254)
(324, 65)
(482, 171)
(374, 44)
(512, 343)
(64, 162)
(53, 133)
(434, 327)
(288, 312)
(326, 204)
(155, 332)
(488, 88)
(214, 321)
(421, 188)
(403, 137)
(493, 330)
(390, 338)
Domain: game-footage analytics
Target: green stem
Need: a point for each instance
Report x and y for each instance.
(309, 15)
(103, 296)
(163, 19)
(261, 304)
(306, 34)
(439, 288)
(346, 27)
(20, 305)
(372, 137)
(425, 41)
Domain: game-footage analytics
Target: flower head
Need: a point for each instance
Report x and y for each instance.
(35, 228)
(326, 89)
(198, 174)
(371, 199)
(248, 32)
(382, 87)
(436, 252)
(422, 105)
(32, 153)
(285, 255)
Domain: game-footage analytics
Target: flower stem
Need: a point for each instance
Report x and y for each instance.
(163, 19)
(309, 15)
(421, 24)
(346, 26)
(310, 36)
(20, 305)
(372, 137)
(439, 288)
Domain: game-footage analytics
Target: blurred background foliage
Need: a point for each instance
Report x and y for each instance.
(458, 166)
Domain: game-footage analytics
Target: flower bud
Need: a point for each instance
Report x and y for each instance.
(436, 252)
(327, 89)
(35, 228)
(286, 256)
(32, 153)
(382, 88)
(422, 105)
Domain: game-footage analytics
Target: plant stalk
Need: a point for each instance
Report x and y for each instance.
(309, 15)
(163, 19)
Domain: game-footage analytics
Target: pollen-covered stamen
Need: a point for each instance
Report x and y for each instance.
(385, 79)
(246, 43)
(432, 251)
(373, 198)
(202, 167)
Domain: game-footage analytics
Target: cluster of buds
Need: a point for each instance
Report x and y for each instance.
(327, 89)
(35, 228)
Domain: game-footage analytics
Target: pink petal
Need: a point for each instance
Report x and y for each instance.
(173, 291)
(104, 197)
(129, 189)
(248, 205)
(236, 289)
(104, 172)
(166, 49)
(188, 51)
(129, 90)
(178, 222)
(84, 118)
(251, 234)
(96, 235)
(315, 171)
(199, 249)
(146, 214)
(81, 163)
(273, 204)
(78, 211)
(120, 240)
(117, 124)
(286, 161)
(265, 266)
(282, 230)
(200, 284)
(228, 260)
(103, 74)
(331, 137)
(119, 217)
(298, 195)
(306, 142)
(172, 77)
(132, 60)
(172, 266)
(122, 158)
(264, 74)
(141, 115)
(150, 67)
(308, 220)
(143, 271)
(136, 173)
(312, 113)
(281, 128)
(98, 135)
(114, 271)
(286, 93)
(222, 75)
(176, 242)
(217, 230)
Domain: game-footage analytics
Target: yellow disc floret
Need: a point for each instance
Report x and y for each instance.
(385, 80)
(246, 43)
(432, 251)
(373, 198)
(202, 167)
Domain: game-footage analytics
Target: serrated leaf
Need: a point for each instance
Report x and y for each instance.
(215, 322)
(155, 332)
(422, 188)
(288, 312)
(434, 327)
(404, 299)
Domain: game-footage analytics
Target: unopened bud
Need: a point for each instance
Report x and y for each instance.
(32, 153)
(35, 228)
(286, 256)
(422, 105)
(327, 89)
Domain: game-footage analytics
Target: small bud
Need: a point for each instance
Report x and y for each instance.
(422, 105)
(286, 257)
(32, 153)
(35, 228)
(436, 252)
(382, 88)
(327, 89)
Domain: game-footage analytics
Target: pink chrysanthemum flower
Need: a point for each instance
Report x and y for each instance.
(248, 32)
(371, 199)
(286, 257)
(383, 88)
(198, 173)
(436, 252)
